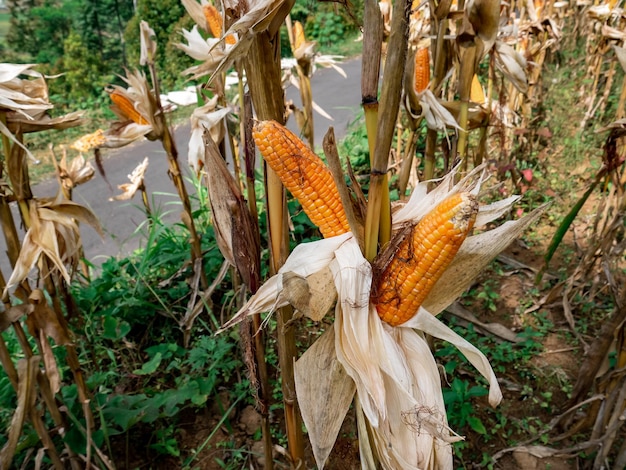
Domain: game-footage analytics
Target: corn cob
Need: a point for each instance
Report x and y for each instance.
(215, 22)
(419, 256)
(477, 95)
(298, 35)
(89, 141)
(304, 174)
(127, 108)
(422, 69)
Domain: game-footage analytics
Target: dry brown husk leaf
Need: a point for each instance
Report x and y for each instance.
(325, 392)
(236, 232)
(27, 370)
(313, 296)
(136, 181)
(14, 313)
(54, 233)
(16, 121)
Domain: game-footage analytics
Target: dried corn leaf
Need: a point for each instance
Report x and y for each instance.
(236, 231)
(620, 52)
(27, 125)
(27, 371)
(484, 16)
(136, 181)
(324, 392)
(512, 64)
(50, 363)
(14, 313)
(148, 44)
(78, 172)
(53, 233)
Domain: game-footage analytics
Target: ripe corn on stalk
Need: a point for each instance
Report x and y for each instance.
(420, 257)
(127, 107)
(304, 174)
(215, 22)
(422, 69)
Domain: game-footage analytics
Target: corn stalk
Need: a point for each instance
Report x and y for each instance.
(377, 229)
(262, 65)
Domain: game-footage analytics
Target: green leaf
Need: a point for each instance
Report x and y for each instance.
(115, 328)
(477, 425)
(151, 366)
(566, 222)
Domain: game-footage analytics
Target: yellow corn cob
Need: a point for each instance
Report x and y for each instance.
(422, 69)
(420, 257)
(304, 174)
(127, 108)
(298, 35)
(477, 95)
(89, 141)
(215, 22)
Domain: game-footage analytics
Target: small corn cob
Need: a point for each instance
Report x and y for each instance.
(477, 95)
(298, 35)
(89, 141)
(422, 69)
(215, 22)
(127, 108)
(419, 258)
(304, 174)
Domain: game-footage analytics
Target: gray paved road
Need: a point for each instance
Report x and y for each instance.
(338, 96)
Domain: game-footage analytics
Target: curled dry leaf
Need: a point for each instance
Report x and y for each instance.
(27, 370)
(14, 313)
(79, 171)
(148, 44)
(136, 181)
(512, 64)
(25, 103)
(53, 233)
(236, 231)
(206, 117)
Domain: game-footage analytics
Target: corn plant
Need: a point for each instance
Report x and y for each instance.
(52, 244)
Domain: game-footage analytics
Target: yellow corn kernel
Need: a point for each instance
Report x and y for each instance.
(215, 22)
(422, 69)
(304, 174)
(298, 35)
(419, 257)
(477, 95)
(127, 108)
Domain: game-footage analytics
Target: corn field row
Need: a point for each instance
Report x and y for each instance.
(450, 93)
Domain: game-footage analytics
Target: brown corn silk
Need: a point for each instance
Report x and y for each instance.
(127, 108)
(304, 174)
(418, 255)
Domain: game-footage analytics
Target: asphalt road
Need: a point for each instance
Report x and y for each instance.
(340, 97)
